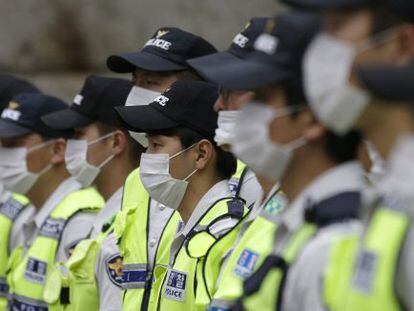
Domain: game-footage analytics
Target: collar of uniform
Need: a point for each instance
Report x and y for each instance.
(66, 187)
(4, 194)
(342, 178)
(219, 191)
(114, 202)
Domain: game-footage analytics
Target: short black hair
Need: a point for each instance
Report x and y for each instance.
(226, 164)
(135, 148)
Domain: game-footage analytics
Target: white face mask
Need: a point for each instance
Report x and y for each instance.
(225, 130)
(76, 160)
(139, 96)
(251, 142)
(156, 178)
(327, 67)
(13, 168)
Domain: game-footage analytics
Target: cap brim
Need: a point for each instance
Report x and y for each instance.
(394, 83)
(144, 118)
(66, 119)
(241, 74)
(128, 62)
(10, 129)
(326, 4)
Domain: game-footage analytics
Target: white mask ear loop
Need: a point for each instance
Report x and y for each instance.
(100, 138)
(182, 151)
(40, 146)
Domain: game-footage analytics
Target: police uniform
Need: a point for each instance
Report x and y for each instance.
(167, 50)
(371, 274)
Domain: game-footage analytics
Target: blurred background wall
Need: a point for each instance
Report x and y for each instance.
(56, 43)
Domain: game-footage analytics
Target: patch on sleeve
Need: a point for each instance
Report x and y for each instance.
(246, 263)
(52, 228)
(176, 285)
(233, 185)
(35, 270)
(365, 271)
(114, 269)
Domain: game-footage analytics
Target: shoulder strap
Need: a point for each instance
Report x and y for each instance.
(341, 207)
(13, 207)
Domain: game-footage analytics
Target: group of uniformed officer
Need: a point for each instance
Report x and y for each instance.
(275, 175)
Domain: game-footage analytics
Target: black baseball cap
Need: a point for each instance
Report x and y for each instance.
(278, 52)
(11, 86)
(389, 82)
(95, 102)
(185, 103)
(210, 67)
(167, 50)
(23, 116)
(403, 8)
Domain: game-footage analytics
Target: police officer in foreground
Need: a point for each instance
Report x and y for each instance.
(318, 171)
(252, 246)
(102, 153)
(154, 68)
(63, 215)
(12, 205)
(184, 169)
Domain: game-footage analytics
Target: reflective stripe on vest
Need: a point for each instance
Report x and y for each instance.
(361, 272)
(197, 260)
(30, 270)
(236, 181)
(264, 289)
(9, 211)
(133, 222)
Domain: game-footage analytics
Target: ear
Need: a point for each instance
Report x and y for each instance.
(205, 152)
(314, 129)
(119, 142)
(58, 149)
(406, 42)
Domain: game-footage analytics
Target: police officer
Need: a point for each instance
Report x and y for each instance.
(317, 170)
(33, 161)
(185, 170)
(14, 207)
(154, 68)
(384, 35)
(102, 153)
(247, 252)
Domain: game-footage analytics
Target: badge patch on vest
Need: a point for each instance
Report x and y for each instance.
(246, 263)
(274, 206)
(365, 271)
(233, 185)
(52, 228)
(36, 270)
(11, 209)
(176, 285)
(114, 269)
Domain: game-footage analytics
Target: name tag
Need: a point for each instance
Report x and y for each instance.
(36, 270)
(176, 285)
(246, 263)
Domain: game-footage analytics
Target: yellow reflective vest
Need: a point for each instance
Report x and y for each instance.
(30, 270)
(9, 211)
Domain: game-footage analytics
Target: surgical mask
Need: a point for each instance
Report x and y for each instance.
(252, 145)
(156, 178)
(327, 67)
(377, 170)
(225, 130)
(139, 96)
(14, 173)
(76, 160)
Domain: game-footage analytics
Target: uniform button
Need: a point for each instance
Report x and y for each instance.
(162, 207)
(152, 242)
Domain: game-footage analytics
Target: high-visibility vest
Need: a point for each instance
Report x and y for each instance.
(264, 289)
(189, 281)
(29, 270)
(236, 181)
(73, 284)
(9, 211)
(131, 228)
(361, 270)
